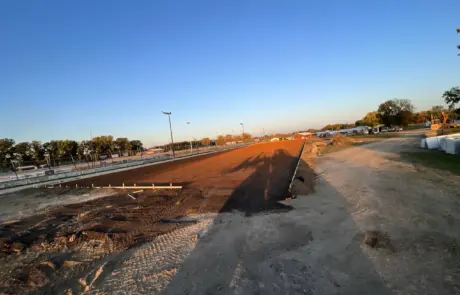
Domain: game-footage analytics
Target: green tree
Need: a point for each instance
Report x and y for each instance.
(205, 141)
(136, 145)
(246, 137)
(53, 149)
(24, 150)
(396, 112)
(85, 150)
(437, 111)
(420, 117)
(69, 148)
(122, 145)
(220, 140)
(371, 119)
(6, 148)
(103, 144)
(228, 138)
(452, 97)
(327, 127)
(37, 149)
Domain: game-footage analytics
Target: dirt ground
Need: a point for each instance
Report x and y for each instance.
(362, 220)
(368, 223)
(50, 238)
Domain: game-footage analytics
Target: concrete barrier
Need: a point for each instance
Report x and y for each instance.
(453, 146)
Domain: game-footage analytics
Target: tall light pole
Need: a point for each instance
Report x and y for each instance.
(458, 46)
(170, 130)
(191, 145)
(242, 126)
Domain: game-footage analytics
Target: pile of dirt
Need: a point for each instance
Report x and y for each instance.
(340, 140)
(89, 231)
(313, 149)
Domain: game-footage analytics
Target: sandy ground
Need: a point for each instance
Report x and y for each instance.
(365, 222)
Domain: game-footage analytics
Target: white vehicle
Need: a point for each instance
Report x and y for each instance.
(375, 130)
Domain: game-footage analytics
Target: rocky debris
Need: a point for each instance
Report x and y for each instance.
(36, 278)
(71, 263)
(340, 140)
(371, 238)
(15, 247)
(377, 239)
(93, 235)
(84, 285)
(72, 238)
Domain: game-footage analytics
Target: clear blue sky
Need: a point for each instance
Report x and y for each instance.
(68, 67)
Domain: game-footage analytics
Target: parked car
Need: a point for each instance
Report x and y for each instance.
(391, 129)
(397, 129)
(384, 129)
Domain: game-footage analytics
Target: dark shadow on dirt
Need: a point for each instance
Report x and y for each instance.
(261, 256)
(262, 190)
(249, 162)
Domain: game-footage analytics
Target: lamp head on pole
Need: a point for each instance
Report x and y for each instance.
(458, 31)
(166, 113)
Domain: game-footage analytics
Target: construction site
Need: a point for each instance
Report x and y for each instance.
(310, 216)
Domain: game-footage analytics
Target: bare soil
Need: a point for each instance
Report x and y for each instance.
(46, 248)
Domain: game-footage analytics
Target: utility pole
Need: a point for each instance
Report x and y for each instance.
(170, 130)
(191, 145)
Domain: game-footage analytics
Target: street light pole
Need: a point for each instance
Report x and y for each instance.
(458, 46)
(242, 126)
(191, 145)
(170, 130)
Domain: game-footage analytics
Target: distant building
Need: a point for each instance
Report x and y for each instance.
(302, 135)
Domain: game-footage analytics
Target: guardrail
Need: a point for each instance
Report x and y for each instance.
(125, 164)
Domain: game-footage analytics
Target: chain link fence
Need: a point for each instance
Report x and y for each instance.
(15, 170)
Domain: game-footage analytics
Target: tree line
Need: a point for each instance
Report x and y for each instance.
(206, 141)
(401, 112)
(36, 152)
(223, 139)
(58, 152)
